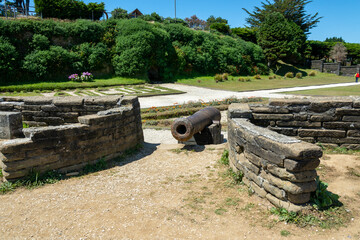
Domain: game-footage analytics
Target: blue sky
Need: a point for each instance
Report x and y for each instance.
(340, 18)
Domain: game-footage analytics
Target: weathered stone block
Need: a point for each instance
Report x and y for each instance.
(350, 112)
(351, 118)
(38, 101)
(284, 204)
(294, 188)
(304, 176)
(10, 125)
(279, 193)
(299, 166)
(288, 102)
(299, 198)
(353, 133)
(259, 116)
(298, 124)
(68, 101)
(292, 149)
(268, 109)
(324, 118)
(341, 125)
(239, 110)
(321, 133)
(324, 105)
(285, 131)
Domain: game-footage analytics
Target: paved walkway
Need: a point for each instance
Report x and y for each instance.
(206, 95)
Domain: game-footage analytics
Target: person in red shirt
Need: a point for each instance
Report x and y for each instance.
(357, 75)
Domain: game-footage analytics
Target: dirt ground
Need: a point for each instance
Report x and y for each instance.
(166, 192)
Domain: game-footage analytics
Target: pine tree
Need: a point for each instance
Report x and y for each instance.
(293, 10)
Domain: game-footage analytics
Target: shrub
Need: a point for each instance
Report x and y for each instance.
(241, 79)
(257, 76)
(49, 63)
(312, 73)
(322, 198)
(289, 75)
(40, 42)
(270, 77)
(299, 75)
(8, 55)
(225, 76)
(69, 9)
(218, 77)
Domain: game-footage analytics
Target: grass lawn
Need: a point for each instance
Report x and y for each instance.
(265, 83)
(336, 91)
(115, 81)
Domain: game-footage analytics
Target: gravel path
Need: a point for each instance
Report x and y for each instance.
(205, 94)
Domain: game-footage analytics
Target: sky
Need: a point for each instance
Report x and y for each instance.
(340, 18)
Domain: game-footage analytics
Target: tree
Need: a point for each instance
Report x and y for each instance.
(119, 13)
(338, 52)
(247, 34)
(334, 39)
(195, 22)
(293, 10)
(212, 20)
(281, 39)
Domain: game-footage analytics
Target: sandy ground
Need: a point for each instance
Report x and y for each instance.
(166, 192)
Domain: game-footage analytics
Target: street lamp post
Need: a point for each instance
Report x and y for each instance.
(5, 10)
(175, 11)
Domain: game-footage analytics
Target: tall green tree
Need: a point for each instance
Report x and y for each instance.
(335, 39)
(247, 34)
(119, 13)
(293, 10)
(281, 39)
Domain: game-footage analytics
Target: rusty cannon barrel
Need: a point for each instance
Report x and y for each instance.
(184, 128)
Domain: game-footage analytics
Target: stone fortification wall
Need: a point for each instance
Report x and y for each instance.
(334, 121)
(278, 168)
(70, 147)
(42, 111)
(335, 68)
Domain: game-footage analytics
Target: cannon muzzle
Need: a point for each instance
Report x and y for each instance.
(184, 128)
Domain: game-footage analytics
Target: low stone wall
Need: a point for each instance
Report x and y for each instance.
(42, 111)
(278, 168)
(335, 68)
(334, 121)
(105, 134)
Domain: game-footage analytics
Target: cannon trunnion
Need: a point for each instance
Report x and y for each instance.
(203, 125)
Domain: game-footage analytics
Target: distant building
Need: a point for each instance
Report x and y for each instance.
(135, 14)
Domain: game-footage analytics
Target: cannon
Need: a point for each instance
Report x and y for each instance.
(204, 125)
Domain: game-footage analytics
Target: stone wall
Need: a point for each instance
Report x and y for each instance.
(70, 147)
(335, 68)
(42, 111)
(278, 168)
(334, 121)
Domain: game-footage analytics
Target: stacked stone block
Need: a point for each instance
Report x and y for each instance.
(42, 111)
(106, 135)
(331, 121)
(278, 168)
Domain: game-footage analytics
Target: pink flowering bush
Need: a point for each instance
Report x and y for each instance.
(85, 77)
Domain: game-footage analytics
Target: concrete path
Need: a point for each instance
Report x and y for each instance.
(204, 94)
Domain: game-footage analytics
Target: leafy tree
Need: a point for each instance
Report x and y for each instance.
(293, 10)
(248, 34)
(338, 52)
(334, 39)
(353, 50)
(152, 17)
(281, 39)
(195, 22)
(212, 20)
(40, 42)
(119, 13)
